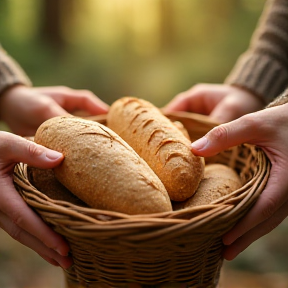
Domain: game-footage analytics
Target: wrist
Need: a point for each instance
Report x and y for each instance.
(258, 98)
(260, 74)
(9, 98)
(13, 90)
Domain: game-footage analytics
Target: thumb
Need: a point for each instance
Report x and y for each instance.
(227, 135)
(14, 148)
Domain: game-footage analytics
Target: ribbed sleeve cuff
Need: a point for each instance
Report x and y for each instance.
(260, 74)
(11, 73)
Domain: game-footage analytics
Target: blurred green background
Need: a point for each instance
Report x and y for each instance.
(152, 49)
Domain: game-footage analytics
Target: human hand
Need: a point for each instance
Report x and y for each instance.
(16, 218)
(222, 102)
(268, 130)
(25, 108)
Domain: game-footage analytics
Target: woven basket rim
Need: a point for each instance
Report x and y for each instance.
(40, 201)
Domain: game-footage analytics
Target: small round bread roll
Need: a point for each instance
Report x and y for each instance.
(219, 180)
(45, 181)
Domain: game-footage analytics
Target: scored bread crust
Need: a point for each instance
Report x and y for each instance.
(160, 143)
(219, 180)
(102, 169)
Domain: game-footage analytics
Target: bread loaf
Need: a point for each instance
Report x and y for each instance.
(160, 143)
(45, 181)
(219, 180)
(182, 128)
(102, 169)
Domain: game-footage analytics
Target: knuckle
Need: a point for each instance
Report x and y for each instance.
(14, 230)
(15, 233)
(250, 121)
(186, 95)
(17, 217)
(269, 208)
(33, 149)
(87, 95)
(219, 133)
(199, 86)
(86, 92)
(63, 88)
(181, 96)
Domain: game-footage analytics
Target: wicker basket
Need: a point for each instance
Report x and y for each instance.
(117, 250)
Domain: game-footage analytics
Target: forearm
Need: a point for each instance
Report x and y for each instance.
(263, 68)
(11, 73)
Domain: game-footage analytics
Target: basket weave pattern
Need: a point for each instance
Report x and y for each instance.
(182, 246)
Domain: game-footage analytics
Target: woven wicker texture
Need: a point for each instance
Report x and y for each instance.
(118, 250)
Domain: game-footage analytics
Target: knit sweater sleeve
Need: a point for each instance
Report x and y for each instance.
(263, 68)
(10, 72)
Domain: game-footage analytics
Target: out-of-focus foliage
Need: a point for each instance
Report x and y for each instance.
(152, 49)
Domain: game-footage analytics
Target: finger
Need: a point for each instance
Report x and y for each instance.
(34, 243)
(54, 110)
(192, 100)
(268, 204)
(251, 128)
(85, 101)
(72, 99)
(246, 129)
(201, 98)
(48, 259)
(180, 102)
(14, 148)
(227, 105)
(234, 249)
(14, 207)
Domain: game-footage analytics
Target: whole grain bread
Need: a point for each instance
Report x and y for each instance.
(219, 180)
(101, 168)
(160, 143)
(45, 181)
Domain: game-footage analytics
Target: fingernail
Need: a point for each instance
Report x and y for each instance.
(62, 253)
(53, 155)
(200, 144)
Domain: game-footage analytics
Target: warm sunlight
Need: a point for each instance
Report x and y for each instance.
(150, 49)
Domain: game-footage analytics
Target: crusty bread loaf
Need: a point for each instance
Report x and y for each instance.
(45, 181)
(182, 128)
(219, 180)
(102, 169)
(160, 143)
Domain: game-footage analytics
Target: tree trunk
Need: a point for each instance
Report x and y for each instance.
(51, 25)
(167, 24)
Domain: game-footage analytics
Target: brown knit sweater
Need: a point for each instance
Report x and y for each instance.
(10, 72)
(263, 68)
